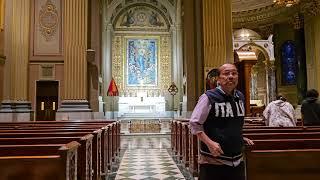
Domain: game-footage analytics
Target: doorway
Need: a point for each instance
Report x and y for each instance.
(47, 100)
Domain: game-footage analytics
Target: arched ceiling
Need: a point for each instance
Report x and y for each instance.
(246, 5)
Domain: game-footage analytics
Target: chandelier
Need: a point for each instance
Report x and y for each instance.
(287, 3)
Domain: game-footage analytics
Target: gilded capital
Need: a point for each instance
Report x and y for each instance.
(298, 21)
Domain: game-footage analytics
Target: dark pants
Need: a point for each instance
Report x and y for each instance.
(221, 172)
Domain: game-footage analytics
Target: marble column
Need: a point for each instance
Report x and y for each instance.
(217, 32)
(254, 83)
(272, 82)
(193, 54)
(301, 56)
(246, 68)
(15, 105)
(268, 80)
(177, 65)
(74, 94)
(207, 42)
(107, 64)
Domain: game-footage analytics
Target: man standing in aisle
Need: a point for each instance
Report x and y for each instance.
(217, 120)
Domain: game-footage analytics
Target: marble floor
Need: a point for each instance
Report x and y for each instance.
(147, 157)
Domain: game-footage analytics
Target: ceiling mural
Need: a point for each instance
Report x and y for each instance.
(139, 14)
(141, 18)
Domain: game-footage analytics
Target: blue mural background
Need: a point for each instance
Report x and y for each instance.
(289, 63)
(142, 61)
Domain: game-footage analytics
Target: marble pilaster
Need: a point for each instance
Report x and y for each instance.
(217, 32)
(301, 56)
(15, 105)
(74, 93)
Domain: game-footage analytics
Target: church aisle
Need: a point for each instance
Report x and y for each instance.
(147, 157)
(149, 164)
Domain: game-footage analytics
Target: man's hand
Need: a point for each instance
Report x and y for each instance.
(248, 141)
(215, 148)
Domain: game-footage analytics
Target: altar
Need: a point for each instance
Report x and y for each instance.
(141, 104)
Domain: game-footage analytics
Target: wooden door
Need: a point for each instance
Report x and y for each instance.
(47, 100)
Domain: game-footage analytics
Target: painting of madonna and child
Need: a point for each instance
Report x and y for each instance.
(142, 62)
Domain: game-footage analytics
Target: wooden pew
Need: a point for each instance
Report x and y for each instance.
(301, 164)
(194, 166)
(114, 137)
(178, 139)
(61, 164)
(87, 161)
(276, 159)
(284, 135)
(185, 143)
(111, 140)
(174, 137)
(87, 153)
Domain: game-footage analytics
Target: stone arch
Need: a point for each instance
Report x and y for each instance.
(268, 91)
(167, 21)
(165, 8)
(258, 47)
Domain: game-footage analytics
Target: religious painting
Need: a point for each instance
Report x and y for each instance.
(142, 61)
(289, 63)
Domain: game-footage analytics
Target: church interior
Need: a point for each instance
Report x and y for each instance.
(123, 77)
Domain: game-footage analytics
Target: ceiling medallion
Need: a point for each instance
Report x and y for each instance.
(287, 3)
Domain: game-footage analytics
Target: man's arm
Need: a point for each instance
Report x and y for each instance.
(200, 114)
(213, 146)
(198, 118)
(248, 141)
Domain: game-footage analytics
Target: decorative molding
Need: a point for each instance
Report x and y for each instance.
(266, 30)
(266, 15)
(46, 33)
(265, 46)
(298, 21)
(310, 7)
(172, 2)
(139, 18)
(164, 8)
(165, 62)
(274, 14)
(48, 20)
(47, 71)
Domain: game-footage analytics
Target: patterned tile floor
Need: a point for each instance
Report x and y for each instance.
(146, 142)
(151, 164)
(147, 157)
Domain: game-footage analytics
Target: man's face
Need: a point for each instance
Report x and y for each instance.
(228, 78)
